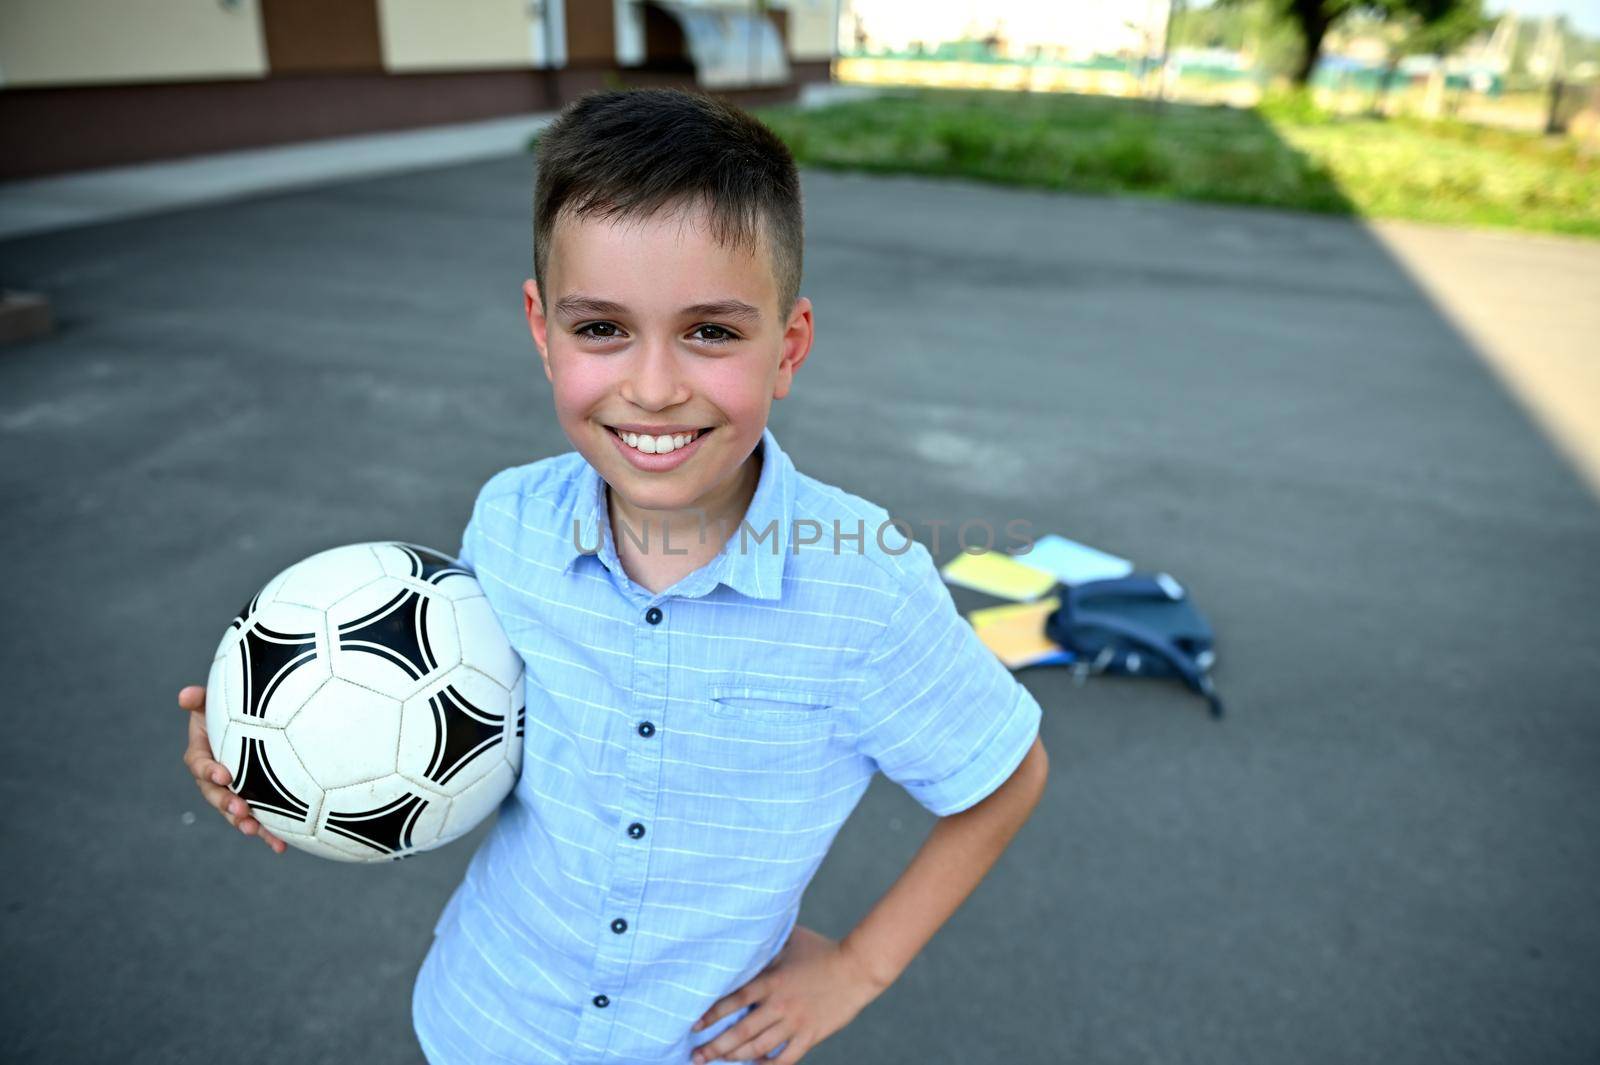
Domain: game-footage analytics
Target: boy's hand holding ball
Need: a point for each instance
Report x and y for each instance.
(212, 776)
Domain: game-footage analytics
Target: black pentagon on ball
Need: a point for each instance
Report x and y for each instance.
(462, 731)
(258, 785)
(397, 631)
(386, 829)
(268, 657)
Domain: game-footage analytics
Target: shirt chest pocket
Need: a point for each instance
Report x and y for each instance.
(769, 707)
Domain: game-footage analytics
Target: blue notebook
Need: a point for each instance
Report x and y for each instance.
(1071, 562)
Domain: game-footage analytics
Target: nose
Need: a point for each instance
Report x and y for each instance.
(654, 381)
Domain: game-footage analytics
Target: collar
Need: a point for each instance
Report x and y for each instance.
(753, 555)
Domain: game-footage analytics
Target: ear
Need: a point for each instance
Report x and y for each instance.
(533, 308)
(798, 333)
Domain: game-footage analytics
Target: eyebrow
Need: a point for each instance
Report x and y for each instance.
(589, 306)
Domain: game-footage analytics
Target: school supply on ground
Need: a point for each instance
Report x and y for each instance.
(1139, 625)
(1071, 562)
(998, 574)
(1015, 633)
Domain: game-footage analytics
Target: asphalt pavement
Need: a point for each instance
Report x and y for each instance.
(1389, 850)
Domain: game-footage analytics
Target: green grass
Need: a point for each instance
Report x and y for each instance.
(1283, 154)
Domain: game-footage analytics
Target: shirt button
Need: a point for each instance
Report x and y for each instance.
(619, 926)
(602, 1001)
(636, 830)
(653, 615)
(646, 729)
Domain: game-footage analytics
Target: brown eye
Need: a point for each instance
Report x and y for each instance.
(723, 336)
(583, 331)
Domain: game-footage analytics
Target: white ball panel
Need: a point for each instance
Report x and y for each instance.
(269, 590)
(225, 745)
(277, 823)
(329, 576)
(229, 637)
(413, 561)
(459, 586)
(486, 693)
(472, 711)
(231, 677)
(375, 672)
(469, 809)
(394, 560)
(439, 628)
(345, 734)
(217, 704)
(363, 601)
(348, 850)
(313, 845)
(484, 645)
(419, 732)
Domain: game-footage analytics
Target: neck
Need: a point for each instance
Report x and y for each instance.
(715, 519)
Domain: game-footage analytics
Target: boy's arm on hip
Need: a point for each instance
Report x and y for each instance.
(952, 861)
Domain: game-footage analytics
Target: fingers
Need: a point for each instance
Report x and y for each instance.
(212, 777)
(763, 1029)
(237, 811)
(731, 1004)
(207, 771)
(251, 827)
(197, 756)
(791, 1053)
(278, 846)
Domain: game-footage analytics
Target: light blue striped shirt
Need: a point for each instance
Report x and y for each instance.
(689, 756)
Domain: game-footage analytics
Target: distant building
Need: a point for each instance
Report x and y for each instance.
(88, 83)
(1066, 31)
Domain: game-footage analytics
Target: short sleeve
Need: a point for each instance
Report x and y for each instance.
(468, 555)
(495, 488)
(942, 716)
(464, 557)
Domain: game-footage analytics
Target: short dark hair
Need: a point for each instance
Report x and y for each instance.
(633, 152)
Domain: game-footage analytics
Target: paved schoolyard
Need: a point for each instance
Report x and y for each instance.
(1388, 851)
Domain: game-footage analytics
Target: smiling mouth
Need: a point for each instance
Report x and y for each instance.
(658, 445)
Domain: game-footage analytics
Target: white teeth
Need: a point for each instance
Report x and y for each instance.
(656, 445)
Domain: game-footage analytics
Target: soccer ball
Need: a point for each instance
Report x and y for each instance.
(367, 703)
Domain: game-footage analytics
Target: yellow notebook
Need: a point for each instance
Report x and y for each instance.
(997, 574)
(1016, 633)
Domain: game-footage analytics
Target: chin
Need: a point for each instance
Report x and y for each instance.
(660, 497)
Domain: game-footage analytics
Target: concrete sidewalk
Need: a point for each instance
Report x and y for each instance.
(41, 205)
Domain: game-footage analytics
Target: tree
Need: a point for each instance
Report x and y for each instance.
(1312, 19)
(1429, 27)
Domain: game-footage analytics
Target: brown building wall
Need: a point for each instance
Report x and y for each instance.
(321, 35)
(55, 130)
(591, 32)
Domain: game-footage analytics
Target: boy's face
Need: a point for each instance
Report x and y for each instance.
(653, 325)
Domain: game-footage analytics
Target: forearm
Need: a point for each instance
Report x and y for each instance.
(952, 861)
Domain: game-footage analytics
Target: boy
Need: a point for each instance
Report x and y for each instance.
(721, 652)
